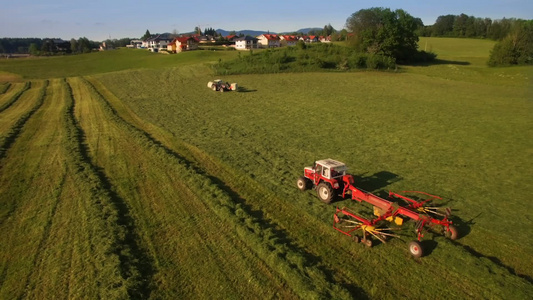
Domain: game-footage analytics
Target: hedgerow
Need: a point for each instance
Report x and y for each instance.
(304, 58)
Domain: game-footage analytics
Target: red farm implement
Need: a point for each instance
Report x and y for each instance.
(330, 180)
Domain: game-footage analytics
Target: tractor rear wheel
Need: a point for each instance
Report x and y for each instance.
(302, 183)
(452, 233)
(325, 193)
(415, 248)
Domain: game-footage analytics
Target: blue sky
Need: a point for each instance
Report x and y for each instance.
(100, 19)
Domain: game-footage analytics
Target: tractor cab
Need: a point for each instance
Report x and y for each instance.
(326, 169)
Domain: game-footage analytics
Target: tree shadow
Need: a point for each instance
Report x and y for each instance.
(439, 62)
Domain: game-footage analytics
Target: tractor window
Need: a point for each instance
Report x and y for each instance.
(325, 172)
(318, 169)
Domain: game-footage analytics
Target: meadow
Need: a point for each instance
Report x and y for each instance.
(123, 176)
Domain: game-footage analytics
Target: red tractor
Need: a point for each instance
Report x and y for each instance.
(327, 177)
(330, 180)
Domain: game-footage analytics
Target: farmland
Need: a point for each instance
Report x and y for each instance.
(132, 179)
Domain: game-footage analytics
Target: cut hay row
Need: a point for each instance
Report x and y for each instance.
(59, 229)
(8, 99)
(261, 236)
(13, 119)
(4, 87)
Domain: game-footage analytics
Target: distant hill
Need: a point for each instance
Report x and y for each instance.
(306, 30)
(224, 32)
(244, 32)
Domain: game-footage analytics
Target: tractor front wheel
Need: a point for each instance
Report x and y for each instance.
(452, 233)
(214, 87)
(302, 183)
(415, 248)
(324, 192)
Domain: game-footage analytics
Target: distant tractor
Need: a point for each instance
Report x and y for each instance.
(221, 86)
(330, 180)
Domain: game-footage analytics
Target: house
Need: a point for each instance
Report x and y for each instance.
(288, 40)
(183, 43)
(246, 43)
(157, 42)
(313, 39)
(135, 44)
(231, 38)
(268, 40)
(324, 39)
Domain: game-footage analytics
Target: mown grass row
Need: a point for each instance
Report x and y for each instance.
(59, 236)
(4, 87)
(118, 235)
(297, 267)
(6, 104)
(7, 138)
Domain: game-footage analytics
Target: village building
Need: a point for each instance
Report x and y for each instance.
(246, 43)
(268, 41)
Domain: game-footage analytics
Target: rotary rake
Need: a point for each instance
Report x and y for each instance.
(330, 180)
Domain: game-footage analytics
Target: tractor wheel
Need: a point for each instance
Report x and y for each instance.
(415, 248)
(368, 243)
(302, 183)
(452, 233)
(214, 87)
(222, 89)
(325, 192)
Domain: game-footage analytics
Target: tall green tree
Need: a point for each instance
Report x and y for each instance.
(516, 48)
(74, 45)
(146, 35)
(443, 26)
(385, 32)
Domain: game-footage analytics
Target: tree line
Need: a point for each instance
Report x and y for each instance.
(465, 26)
(55, 46)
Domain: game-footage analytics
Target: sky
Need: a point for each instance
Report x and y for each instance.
(114, 19)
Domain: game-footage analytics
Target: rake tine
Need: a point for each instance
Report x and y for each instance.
(377, 237)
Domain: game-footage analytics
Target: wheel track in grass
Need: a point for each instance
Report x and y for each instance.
(138, 269)
(15, 97)
(260, 233)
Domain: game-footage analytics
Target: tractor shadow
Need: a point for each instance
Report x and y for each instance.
(375, 183)
(242, 89)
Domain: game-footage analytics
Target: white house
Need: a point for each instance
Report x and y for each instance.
(157, 42)
(246, 43)
(268, 40)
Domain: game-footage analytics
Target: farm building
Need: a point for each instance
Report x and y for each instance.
(246, 43)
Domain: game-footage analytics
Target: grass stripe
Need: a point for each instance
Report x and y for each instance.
(15, 97)
(8, 139)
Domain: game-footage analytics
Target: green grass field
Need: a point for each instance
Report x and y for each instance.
(123, 176)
